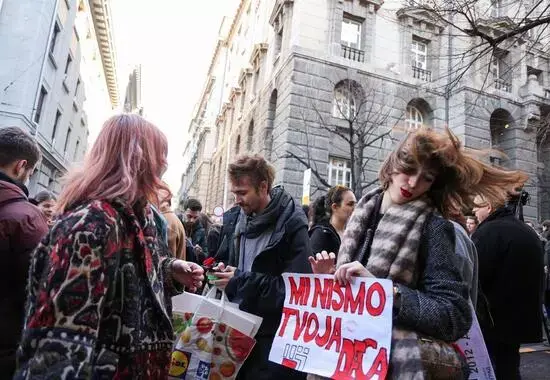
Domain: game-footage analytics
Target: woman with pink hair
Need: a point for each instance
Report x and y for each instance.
(101, 280)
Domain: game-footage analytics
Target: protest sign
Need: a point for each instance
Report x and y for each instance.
(475, 351)
(334, 331)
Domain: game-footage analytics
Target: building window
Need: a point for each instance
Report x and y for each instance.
(250, 136)
(243, 98)
(256, 81)
(351, 33)
(419, 54)
(55, 36)
(76, 87)
(339, 172)
(76, 149)
(56, 124)
(68, 65)
(238, 144)
(501, 71)
(414, 119)
(40, 104)
(278, 42)
(496, 8)
(345, 101)
(67, 138)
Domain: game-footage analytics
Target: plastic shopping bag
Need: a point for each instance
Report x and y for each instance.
(213, 341)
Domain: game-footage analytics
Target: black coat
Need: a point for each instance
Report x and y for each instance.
(262, 291)
(323, 237)
(510, 275)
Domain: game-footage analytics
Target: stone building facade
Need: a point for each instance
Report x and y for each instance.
(296, 69)
(132, 99)
(57, 77)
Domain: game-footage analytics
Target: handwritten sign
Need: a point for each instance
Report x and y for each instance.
(476, 353)
(334, 331)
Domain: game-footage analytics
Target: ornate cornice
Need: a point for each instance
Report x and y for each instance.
(257, 53)
(420, 15)
(101, 16)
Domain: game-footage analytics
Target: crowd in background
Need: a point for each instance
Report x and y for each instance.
(88, 275)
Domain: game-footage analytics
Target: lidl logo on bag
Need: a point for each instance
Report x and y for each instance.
(179, 364)
(203, 371)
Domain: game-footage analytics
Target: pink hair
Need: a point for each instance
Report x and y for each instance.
(126, 161)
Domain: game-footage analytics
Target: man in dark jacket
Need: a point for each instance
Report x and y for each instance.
(262, 238)
(510, 277)
(194, 229)
(22, 225)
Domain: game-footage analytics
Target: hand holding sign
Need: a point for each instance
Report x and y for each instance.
(334, 331)
(346, 272)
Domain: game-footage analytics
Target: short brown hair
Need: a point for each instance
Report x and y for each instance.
(255, 167)
(16, 144)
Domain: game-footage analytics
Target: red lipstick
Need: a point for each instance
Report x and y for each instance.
(405, 193)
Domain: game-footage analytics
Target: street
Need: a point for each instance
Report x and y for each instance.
(535, 365)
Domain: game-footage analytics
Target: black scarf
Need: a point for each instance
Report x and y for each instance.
(257, 224)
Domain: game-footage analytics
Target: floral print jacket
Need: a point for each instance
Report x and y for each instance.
(99, 298)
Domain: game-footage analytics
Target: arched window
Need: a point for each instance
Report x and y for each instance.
(414, 119)
(502, 140)
(238, 144)
(250, 136)
(347, 97)
(418, 114)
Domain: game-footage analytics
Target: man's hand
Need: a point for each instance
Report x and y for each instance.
(188, 274)
(199, 254)
(224, 274)
(323, 263)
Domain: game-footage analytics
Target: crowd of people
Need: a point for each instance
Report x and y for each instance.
(88, 276)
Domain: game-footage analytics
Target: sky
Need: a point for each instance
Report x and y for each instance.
(174, 41)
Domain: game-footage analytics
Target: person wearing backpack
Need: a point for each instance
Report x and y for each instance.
(22, 226)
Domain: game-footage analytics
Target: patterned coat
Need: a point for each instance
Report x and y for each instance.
(99, 298)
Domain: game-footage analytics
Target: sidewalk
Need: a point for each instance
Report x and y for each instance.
(527, 348)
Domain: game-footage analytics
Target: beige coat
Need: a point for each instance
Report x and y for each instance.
(176, 234)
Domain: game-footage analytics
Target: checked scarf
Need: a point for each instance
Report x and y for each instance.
(393, 255)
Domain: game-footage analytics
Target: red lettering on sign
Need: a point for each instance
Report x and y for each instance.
(357, 303)
(309, 334)
(287, 312)
(350, 361)
(300, 325)
(336, 289)
(380, 365)
(336, 335)
(322, 292)
(299, 294)
(378, 288)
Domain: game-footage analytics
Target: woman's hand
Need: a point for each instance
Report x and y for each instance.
(346, 272)
(188, 274)
(323, 263)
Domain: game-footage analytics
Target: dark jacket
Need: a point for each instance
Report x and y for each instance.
(510, 276)
(198, 237)
(22, 225)
(262, 291)
(323, 237)
(99, 299)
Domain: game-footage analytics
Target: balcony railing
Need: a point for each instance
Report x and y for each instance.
(353, 54)
(501, 84)
(424, 75)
